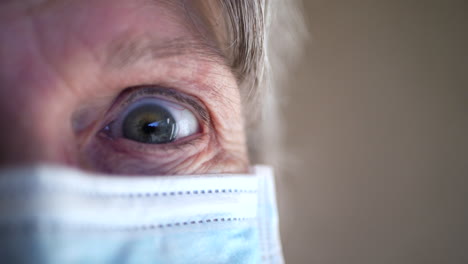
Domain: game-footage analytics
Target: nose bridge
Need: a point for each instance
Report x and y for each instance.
(34, 115)
(35, 107)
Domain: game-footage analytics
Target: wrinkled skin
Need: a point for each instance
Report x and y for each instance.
(65, 65)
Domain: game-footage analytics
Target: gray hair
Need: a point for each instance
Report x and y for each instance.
(265, 38)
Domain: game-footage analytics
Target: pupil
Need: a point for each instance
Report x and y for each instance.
(149, 128)
(149, 123)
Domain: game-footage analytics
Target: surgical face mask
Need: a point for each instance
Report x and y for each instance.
(60, 215)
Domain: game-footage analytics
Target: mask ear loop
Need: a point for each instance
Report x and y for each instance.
(268, 222)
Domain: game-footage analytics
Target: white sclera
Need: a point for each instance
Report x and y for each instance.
(186, 122)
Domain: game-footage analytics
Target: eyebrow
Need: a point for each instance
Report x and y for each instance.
(124, 52)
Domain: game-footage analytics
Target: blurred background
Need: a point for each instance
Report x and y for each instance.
(377, 127)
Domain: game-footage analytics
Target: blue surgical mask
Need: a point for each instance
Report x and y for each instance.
(60, 215)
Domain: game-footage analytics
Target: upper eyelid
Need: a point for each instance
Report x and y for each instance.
(180, 97)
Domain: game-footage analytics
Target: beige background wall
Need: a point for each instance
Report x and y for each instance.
(377, 123)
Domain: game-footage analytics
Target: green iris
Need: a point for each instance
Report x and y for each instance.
(149, 123)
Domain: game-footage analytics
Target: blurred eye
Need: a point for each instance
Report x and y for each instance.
(154, 121)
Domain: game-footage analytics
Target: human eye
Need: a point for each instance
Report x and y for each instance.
(152, 119)
(150, 130)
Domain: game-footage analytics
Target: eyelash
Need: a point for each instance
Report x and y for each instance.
(133, 94)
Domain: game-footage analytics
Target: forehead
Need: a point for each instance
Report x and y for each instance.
(64, 24)
(112, 33)
(58, 46)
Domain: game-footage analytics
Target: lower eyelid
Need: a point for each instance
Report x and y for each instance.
(131, 149)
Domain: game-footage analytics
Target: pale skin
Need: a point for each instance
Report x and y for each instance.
(68, 68)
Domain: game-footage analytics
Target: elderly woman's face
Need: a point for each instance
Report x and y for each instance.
(118, 86)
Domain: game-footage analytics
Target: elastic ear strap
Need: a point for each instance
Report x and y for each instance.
(268, 223)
